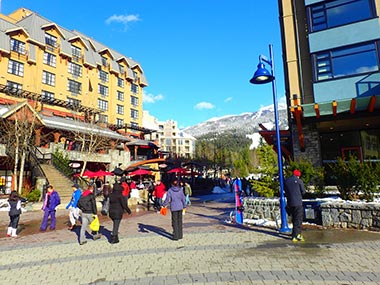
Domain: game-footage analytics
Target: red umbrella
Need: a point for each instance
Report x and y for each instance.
(103, 173)
(140, 172)
(87, 173)
(178, 170)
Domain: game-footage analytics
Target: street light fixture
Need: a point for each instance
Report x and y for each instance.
(263, 76)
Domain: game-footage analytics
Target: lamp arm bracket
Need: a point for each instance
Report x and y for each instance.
(265, 59)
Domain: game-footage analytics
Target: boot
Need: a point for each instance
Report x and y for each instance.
(114, 239)
(14, 232)
(9, 232)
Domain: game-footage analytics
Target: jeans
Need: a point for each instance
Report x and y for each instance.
(14, 221)
(177, 224)
(188, 202)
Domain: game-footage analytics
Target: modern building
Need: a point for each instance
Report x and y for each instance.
(172, 142)
(73, 85)
(331, 52)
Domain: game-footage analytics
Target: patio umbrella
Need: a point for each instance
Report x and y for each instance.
(103, 173)
(140, 172)
(89, 174)
(178, 171)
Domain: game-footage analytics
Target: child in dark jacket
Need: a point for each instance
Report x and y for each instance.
(14, 213)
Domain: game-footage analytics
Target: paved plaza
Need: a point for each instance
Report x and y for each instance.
(212, 251)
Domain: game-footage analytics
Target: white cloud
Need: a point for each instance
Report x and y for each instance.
(229, 99)
(150, 98)
(123, 19)
(204, 105)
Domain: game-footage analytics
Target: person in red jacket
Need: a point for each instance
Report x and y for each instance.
(158, 193)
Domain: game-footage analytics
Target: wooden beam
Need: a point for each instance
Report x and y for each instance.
(334, 107)
(353, 106)
(371, 104)
(316, 108)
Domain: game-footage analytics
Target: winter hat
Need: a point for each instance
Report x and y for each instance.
(296, 172)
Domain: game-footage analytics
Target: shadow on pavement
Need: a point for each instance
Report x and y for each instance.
(144, 228)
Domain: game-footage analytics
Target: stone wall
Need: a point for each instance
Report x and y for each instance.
(338, 214)
(351, 215)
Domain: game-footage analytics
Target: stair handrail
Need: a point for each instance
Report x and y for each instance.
(36, 163)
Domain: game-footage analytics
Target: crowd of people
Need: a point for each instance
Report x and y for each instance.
(82, 207)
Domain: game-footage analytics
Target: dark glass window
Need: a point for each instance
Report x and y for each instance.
(339, 12)
(346, 61)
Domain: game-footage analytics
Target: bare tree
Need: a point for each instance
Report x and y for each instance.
(91, 136)
(18, 124)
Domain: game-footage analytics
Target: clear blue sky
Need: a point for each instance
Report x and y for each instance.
(197, 55)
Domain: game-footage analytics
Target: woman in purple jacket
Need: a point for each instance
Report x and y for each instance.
(51, 201)
(176, 199)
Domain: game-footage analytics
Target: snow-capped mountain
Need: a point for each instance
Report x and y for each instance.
(246, 123)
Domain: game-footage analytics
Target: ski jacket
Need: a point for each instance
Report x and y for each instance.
(294, 190)
(175, 198)
(87, 203)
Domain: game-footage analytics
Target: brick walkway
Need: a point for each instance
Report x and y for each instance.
(211, 252)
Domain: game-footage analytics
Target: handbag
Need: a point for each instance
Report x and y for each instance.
(163, 211)
(95, 224)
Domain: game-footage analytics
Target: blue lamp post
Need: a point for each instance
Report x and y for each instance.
(263, 76)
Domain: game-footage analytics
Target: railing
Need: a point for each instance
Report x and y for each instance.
(34, 158)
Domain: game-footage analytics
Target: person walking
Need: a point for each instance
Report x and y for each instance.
(176, 199)
(14, 213)
(72, 206)
(158, 193)
(51, 201)
(87, 205)
(188, 192)
(294, 190)
(117, 207)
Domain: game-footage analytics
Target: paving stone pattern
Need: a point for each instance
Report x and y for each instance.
(211, 252)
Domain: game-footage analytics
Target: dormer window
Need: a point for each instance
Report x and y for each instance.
(18, 46)
(104, 61)
(50, 40)
(76, 53)
(121, 69)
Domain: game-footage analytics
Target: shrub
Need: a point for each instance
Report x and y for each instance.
(33, 196)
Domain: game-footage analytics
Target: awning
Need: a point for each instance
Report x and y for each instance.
(335, 108)
(65, 124)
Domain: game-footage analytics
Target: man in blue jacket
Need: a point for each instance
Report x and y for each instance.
(294, 190)
(72, 205)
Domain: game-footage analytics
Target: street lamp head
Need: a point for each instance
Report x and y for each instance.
(262, 75)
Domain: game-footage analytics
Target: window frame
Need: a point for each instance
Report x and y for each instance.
(50, 59)
(103, 90)
(18, 46)
(102, 104)
(15, 68)
(74, 69)
(326, 60)
(322, 8)
(74, 87)
(48, 78)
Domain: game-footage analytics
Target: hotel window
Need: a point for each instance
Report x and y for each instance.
(18, 46)
(120, 96)
(50, 40)
(331, 14)
(120, 82)
(16, 68)
(103, 76)
(121, 69)
(48, 78)
(73, 102)
(346, 61)
(120, 109)
(76, 52)
(13, 86)
(47, 96)
(75, 69)
(134, 88)
(104, 61)
(50, 59)
(74, 86)
(103, 119)
(134, 114)
(134, 125)
(102, 105)
(134, 101)
(119, 122)
(103, 90)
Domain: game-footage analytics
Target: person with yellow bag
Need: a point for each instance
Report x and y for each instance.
(87, 205)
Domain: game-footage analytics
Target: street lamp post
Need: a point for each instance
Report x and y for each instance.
(263, 76)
